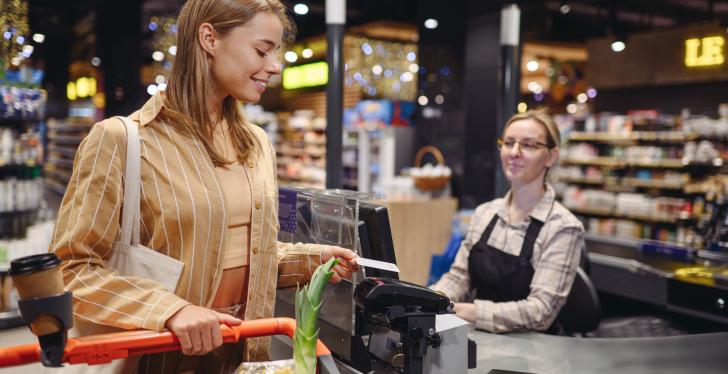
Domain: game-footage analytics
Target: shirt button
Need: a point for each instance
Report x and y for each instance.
(257, 205)
(255, 250)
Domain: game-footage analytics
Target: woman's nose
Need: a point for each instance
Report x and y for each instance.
(516, 149)
(274, 67)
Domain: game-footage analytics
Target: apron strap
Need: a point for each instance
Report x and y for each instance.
(534, 228)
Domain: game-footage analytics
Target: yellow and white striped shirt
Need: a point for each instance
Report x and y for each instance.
(183, 215)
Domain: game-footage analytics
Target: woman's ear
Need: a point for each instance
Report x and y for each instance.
(207, 38)
(553, 157)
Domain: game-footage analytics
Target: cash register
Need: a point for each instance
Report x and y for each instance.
(375, 322)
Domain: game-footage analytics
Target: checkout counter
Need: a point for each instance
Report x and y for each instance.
(625, 271)
(377, 323)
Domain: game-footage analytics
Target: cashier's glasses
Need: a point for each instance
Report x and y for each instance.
(526, 145)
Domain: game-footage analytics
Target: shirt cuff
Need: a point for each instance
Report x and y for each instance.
(162, 310)
(484, 315)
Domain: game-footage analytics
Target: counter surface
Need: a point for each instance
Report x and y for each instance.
(543, 354)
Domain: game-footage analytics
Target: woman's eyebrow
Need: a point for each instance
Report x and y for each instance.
(270, 43)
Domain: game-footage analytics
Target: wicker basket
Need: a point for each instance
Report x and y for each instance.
(427, 183)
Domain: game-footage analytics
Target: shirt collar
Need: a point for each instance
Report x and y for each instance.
(150, 110)
(540, 212)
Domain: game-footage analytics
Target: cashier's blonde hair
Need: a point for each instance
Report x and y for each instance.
(190, 82)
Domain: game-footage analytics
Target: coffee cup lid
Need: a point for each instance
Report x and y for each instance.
(30, 264)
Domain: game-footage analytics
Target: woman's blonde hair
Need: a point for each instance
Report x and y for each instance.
(553, 135)
(190, 83)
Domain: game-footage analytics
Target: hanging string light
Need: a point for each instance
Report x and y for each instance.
(14, 30)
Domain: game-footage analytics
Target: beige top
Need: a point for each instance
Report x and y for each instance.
(183, 215)
(555, 259)
(236, 187)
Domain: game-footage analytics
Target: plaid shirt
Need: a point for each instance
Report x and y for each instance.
(556, 256)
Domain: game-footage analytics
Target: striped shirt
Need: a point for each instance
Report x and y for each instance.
(183, 215)
(556, 256)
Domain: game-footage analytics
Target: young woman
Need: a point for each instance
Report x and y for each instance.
(518, 261)
(209, 198)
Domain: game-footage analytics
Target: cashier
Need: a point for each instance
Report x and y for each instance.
(518, 261)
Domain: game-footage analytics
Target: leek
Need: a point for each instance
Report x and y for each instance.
(308, 304)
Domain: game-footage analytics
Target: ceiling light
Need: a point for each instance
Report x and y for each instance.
(431, 23)
(522, 107)
(422, 100)
(618, 46)
(377, 69)
(532, 65)
(158, 56)
(307, 53)
(582, 97)
(572, 108)
(291, 56)
(565, 9)
(301, 9)
(96, 61)
(439, 99)
(38, 38)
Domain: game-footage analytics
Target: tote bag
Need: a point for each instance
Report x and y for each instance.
(128, 257)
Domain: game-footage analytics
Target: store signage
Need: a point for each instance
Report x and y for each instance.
(308, 75)
(83, 87)
(706, 51)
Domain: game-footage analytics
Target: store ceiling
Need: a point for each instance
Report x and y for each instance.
(542, 20)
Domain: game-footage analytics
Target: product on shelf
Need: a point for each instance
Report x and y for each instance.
(301, 149)
(643, 175)
(26, 104)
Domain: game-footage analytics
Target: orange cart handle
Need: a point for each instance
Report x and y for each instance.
(102, 349)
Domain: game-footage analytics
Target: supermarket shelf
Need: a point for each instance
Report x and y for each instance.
(70, 152)
(633, 137)
(636, 182)
(587, 180)
(59, 174)
(597, 161)
(609, 213)
(613, 162)
(54, 186)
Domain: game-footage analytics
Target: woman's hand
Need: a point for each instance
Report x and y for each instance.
(198, 328)
(347, 262)
(465, 311)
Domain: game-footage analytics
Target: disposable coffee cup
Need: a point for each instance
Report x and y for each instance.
(36, 277)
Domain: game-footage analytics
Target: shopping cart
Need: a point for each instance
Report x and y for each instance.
(102, 349)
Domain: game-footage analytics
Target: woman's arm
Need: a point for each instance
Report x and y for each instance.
(553, 276)
(88, 222)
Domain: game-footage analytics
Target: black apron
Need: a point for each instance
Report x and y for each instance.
(499, 276)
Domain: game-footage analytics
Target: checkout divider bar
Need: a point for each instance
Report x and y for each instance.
(102, 349)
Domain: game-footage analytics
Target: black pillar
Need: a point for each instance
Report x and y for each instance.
(55, 52)
(118, 26)
(482, 51)
(335, 20)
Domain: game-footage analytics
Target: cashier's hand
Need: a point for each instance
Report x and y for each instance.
(347, 262)
(198, 328)
(465, 311)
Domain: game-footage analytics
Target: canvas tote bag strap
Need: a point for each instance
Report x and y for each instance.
(132, 184)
